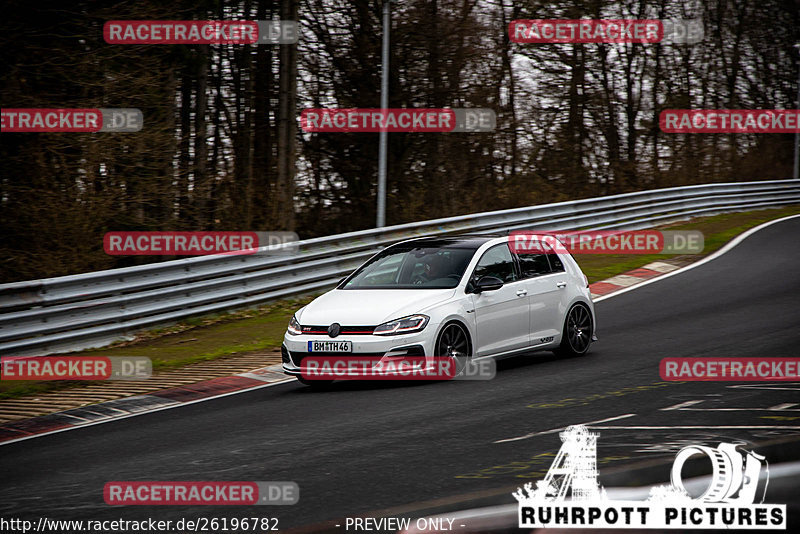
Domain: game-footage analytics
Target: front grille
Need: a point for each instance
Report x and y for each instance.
(344, 330)
(298, 357)
(285, 354)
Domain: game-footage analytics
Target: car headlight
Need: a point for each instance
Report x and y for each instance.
(294, 327)
(406, 325)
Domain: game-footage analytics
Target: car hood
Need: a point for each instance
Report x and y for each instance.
(368, 307)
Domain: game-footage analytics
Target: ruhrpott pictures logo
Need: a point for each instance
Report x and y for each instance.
(729, 502)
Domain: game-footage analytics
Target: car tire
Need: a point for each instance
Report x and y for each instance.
(455, 336)
(576, 337)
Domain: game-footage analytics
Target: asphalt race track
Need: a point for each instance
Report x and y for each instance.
(362, 448)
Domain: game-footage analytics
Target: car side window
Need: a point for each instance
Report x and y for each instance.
(556, 265)
(533, 264)
(497, 262)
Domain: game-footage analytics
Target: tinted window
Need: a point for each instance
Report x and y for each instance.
(412, 267)
(534, 264)
(539, 263)
(497, 262)
(556, 265)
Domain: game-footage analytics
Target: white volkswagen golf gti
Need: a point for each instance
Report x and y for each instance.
(472, 296)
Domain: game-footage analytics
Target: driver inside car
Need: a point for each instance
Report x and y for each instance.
(436, 267)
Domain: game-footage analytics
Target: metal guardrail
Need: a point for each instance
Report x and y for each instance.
(94, 309)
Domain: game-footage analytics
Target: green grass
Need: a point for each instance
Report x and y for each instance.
(717, 231)
(194, 340)
(217, 336)
(22, 388)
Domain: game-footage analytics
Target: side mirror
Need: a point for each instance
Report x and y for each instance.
(488, 283)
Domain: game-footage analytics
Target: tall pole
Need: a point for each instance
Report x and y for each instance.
(384, 135)
(797, 134)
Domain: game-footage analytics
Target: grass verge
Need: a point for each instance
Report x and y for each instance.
(717, 230)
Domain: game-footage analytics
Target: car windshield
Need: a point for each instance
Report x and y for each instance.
(412, 267)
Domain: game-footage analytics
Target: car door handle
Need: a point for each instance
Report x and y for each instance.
(522, 292)
(561, 285)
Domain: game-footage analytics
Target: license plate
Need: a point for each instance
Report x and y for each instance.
(330, 346)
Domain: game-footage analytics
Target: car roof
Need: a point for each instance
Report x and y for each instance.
(471, 241)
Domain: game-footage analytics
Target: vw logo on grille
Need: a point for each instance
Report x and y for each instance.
(334, 329)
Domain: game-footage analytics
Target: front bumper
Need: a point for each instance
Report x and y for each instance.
(295, 348)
